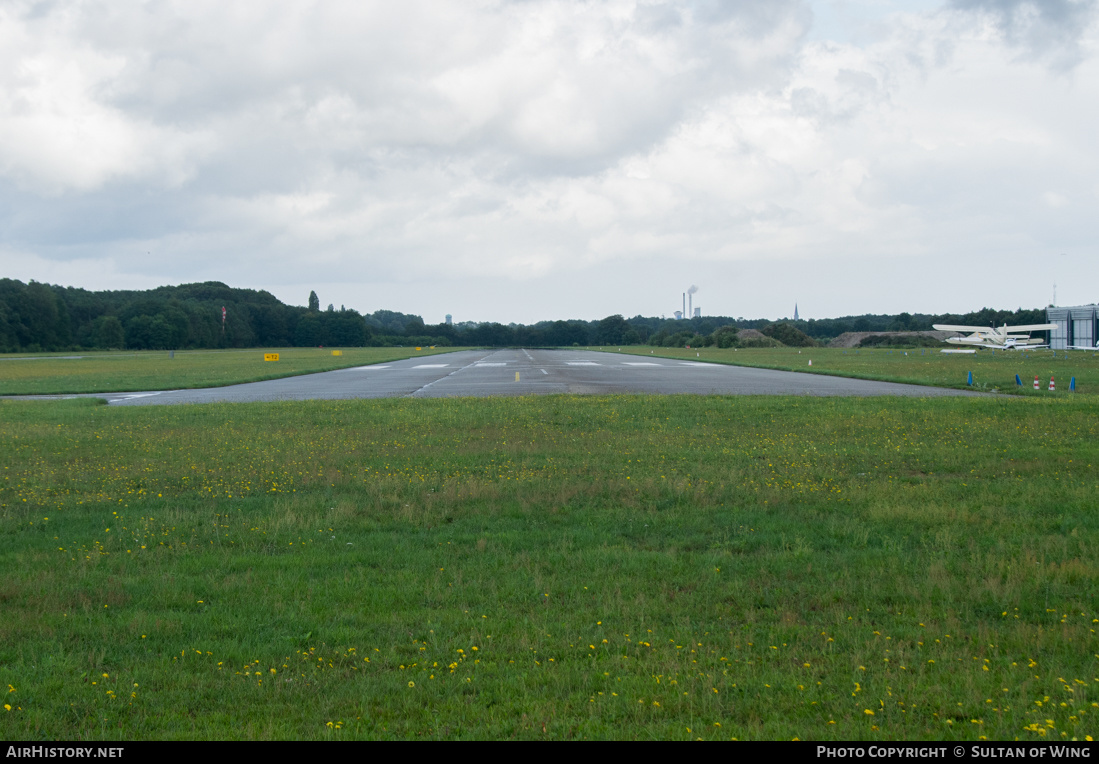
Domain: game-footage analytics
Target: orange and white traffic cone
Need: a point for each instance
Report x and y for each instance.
(1036, 386)
(1052, 386)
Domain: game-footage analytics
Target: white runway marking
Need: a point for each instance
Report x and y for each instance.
(365, 368)
(543, 371)
(448, 376)
(694, 363)
(431, 366)
(627, 363)
(582, 363)
(489, 364)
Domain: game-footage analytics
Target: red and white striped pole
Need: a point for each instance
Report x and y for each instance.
(1052, 386)
(1036, 387)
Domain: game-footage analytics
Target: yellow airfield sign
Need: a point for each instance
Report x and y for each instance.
(270, 356)
(337, 352)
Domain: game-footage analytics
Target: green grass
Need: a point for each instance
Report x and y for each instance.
(121, 372)
(991, 369)
(551, 567)
(112, 372)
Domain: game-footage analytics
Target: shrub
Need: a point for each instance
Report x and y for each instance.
(902, 341)
(724, 336)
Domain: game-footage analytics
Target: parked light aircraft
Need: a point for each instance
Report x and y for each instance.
(1083, 347)
(998, 338)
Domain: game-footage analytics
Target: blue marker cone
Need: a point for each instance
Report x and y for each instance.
(1072, 385)
(1018, 382)
(970, 380)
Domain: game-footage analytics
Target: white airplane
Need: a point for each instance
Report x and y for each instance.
(1083, 347)
(998, 338)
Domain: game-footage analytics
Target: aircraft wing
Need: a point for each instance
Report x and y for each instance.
(1032, 328)
(994, 329)
(966, 329)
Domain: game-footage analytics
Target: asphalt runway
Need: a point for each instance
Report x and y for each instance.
(482, 373)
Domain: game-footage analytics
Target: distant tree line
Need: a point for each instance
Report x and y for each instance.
(41, 317)
(827, 328)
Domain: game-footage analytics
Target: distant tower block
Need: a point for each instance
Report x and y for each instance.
(698, 313)
(449, 320)
(796, 312)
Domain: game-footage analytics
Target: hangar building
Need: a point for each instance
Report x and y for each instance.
(1075, 326)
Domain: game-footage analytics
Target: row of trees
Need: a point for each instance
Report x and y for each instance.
(912, 322)
(36, 317)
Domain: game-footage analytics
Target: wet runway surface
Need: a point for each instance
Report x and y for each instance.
(481, 373)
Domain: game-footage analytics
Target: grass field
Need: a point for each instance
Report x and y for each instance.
(121, 372)
(555, 567)
(112, 372)
(991, 369)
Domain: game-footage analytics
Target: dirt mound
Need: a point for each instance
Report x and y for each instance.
(852, 339)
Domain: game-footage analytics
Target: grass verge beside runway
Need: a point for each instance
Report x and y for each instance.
(552, 567)
(992, 370)
(113, 372)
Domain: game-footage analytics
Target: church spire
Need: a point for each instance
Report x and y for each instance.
(796, 311)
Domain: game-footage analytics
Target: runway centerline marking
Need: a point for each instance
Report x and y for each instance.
(365, 368)
(451, 374)
(627, 363)
(490, 364)
(583, 363)
(431, 366)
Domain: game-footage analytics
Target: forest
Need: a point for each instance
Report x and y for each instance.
(37, 317)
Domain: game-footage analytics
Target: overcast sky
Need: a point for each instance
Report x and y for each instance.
(540, 159)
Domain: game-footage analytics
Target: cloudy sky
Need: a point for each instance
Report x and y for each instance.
(521, 160)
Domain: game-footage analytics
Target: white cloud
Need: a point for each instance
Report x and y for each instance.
(453, 149)
(57, 133)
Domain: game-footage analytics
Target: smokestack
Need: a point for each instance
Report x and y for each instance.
(684, 303)
(690, 300)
